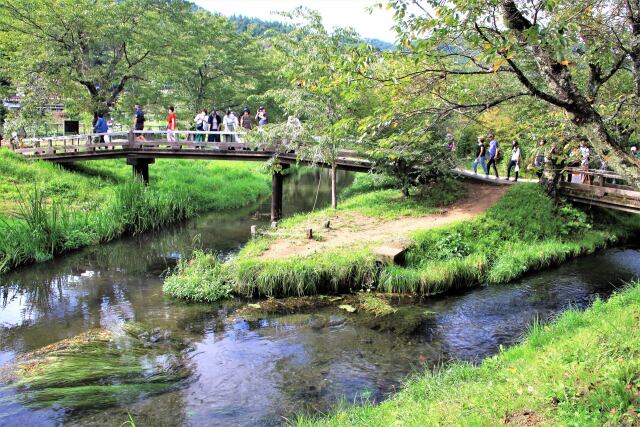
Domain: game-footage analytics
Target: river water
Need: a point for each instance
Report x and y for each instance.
(263, 370)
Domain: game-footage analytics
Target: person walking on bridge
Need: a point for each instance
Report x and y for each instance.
(494, 151)
(138, 122)
(101, 127)
(481, 151)
(515, 160)
(171, 125)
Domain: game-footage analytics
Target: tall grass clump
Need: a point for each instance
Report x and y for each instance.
(327, 272)
(203, 278)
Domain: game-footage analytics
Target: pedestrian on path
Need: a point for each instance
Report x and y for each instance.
(540, 158)
(481, 151)
(515, 160)
(494, 151)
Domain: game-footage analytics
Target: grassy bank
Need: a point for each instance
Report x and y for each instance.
(342, 270)
(525, 231)
(582, 370)
(48, 209)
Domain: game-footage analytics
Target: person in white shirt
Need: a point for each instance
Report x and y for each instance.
(230, 122)
(200, 119)
(515, 160)
(584, 164)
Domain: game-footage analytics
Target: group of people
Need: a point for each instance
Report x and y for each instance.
(488, 157)
(205, 121)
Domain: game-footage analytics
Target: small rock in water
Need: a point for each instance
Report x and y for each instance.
(318, 322)
(336, 321)
(254, 306)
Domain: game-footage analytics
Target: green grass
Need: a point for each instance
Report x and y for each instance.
(525, 231)
(334, 271)
(581, 370)
(48, 209)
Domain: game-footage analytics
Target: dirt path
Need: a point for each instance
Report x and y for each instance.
(353, 229)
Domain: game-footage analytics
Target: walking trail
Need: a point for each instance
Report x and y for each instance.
(352, 229)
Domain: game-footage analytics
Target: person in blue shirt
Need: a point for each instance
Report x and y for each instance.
(494, 150)
(101, 126)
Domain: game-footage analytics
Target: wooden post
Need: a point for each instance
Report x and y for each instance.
(276, 194)
(334, 188)
(309, 233)
(131, 139)
(141, 168)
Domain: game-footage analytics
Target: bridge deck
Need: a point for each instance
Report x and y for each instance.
(606, 192)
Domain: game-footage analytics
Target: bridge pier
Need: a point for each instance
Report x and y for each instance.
(277, 179)
(141, 168)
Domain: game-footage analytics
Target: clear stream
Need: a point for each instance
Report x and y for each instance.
(261, 371)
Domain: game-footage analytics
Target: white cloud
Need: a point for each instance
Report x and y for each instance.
(335, 13)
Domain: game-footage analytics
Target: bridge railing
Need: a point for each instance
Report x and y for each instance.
(71, 143)
(155, 143)
(178, 140)
(602, 178)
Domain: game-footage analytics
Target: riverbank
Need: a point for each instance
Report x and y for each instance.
(523, 231)
(580, 370)
(48, 209)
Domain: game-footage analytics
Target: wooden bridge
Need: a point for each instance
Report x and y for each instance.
(601, 188)
(141, 148)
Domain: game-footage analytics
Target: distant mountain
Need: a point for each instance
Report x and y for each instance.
(380, 44)
(260, 27)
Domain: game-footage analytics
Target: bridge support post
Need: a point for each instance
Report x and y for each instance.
(277, 179)
(141, 168)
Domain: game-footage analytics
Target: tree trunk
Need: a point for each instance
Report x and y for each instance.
(585, 116)
(334, 186)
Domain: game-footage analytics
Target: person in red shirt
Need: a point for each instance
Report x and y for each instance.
(171, 125)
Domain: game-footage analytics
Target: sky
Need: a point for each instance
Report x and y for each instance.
(335, 13)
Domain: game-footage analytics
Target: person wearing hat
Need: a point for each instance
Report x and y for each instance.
(262, 117)
(634, 152)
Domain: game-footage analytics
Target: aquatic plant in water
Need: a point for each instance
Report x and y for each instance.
(97, 369)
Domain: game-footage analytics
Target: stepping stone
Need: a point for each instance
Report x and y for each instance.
(388, 254)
